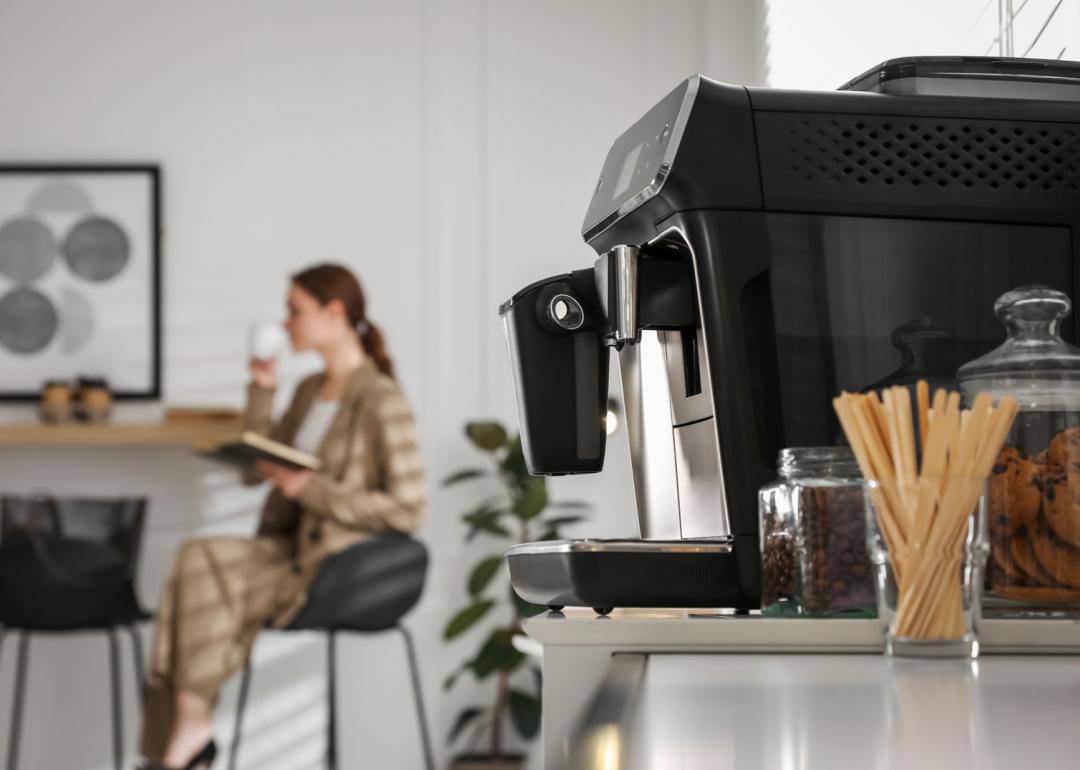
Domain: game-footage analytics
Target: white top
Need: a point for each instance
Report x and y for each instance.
(310, 434)
(705, 630)
(753, 705)
(851, 712)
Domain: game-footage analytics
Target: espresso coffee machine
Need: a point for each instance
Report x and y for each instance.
(760, 251)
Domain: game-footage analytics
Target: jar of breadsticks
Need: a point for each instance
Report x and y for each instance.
(1033, 495)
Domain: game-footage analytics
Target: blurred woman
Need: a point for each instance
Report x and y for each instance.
(222, 591)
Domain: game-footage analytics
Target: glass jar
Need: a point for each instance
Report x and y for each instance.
(813, 535)
(1033, 506)
(776, 525)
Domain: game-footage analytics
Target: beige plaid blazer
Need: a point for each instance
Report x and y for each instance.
(372, 478)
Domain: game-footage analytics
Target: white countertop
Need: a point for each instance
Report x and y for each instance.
(705, 690)
(703, 630)
(835, 712)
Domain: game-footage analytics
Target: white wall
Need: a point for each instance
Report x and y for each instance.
(446, 150)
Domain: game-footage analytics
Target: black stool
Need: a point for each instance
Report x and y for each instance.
(365, 589)
(68, 565)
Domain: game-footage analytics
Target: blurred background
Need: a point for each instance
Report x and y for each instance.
(445, 150)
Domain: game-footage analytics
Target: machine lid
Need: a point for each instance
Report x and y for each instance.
(974, 76)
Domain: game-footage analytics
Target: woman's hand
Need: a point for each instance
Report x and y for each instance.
(290, 482)
(264, 372)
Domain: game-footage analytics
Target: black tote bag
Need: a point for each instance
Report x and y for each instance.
(69, 563)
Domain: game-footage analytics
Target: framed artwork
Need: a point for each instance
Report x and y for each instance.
(80, 278)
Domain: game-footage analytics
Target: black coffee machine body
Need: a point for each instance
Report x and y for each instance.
(760, 251)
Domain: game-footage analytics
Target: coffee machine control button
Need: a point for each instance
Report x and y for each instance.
(566, 311)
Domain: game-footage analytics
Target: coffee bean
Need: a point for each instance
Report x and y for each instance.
(778, 559)
(835, 573)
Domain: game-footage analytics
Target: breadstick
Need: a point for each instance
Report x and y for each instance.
(927, 488)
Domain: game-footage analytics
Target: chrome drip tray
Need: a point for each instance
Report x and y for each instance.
(604, 574)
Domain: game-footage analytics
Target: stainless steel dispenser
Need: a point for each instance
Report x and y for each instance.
(641, 304)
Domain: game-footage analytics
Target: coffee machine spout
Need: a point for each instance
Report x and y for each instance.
(617, 287)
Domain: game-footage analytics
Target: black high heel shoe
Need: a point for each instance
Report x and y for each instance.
(205, 758)
(201, 761)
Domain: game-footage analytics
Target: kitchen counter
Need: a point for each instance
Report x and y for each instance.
(697, 688)
(831, 712)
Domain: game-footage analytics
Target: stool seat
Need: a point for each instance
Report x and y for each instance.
(367, 588)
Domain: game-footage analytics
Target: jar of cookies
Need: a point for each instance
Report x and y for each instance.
(1033, 501)
(813, 536)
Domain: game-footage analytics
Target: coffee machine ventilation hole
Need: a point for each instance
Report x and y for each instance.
(1033, 157)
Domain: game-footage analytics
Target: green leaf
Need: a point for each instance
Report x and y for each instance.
(487, 436)
(483, 573)
(463, 719)
(525, 609)
(478, 730)
(532, 500)
(485, 518)
(525, 713)
(466, 618)
(487, 521)
(562, 521)
(485, 507)
(450, 679)
(491, 529)
(497, 654)
(465, 475)
(513, 464)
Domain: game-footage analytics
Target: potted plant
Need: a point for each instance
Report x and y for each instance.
(519, 512)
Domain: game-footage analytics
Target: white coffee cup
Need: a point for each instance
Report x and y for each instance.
(266, 341)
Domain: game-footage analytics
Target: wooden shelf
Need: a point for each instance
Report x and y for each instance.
(186, 430)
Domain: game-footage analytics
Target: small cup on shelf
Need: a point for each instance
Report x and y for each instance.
(55, 405)
(94, 400)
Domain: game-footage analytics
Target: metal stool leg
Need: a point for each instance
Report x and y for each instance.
(117, 700)
(22, 659)
(331, 700)
(137, 658)
(241, 704)
(414, 672)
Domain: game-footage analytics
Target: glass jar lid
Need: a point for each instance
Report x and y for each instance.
(820, 462)
(1034, 363)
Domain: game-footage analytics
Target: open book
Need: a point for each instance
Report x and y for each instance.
(243, 450)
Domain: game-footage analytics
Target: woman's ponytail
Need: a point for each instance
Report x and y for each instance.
(375, 346)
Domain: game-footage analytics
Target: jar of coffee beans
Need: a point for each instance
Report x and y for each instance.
(776, 524)
(813, 534)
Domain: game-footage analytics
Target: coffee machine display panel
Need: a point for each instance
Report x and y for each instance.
(638, 162)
